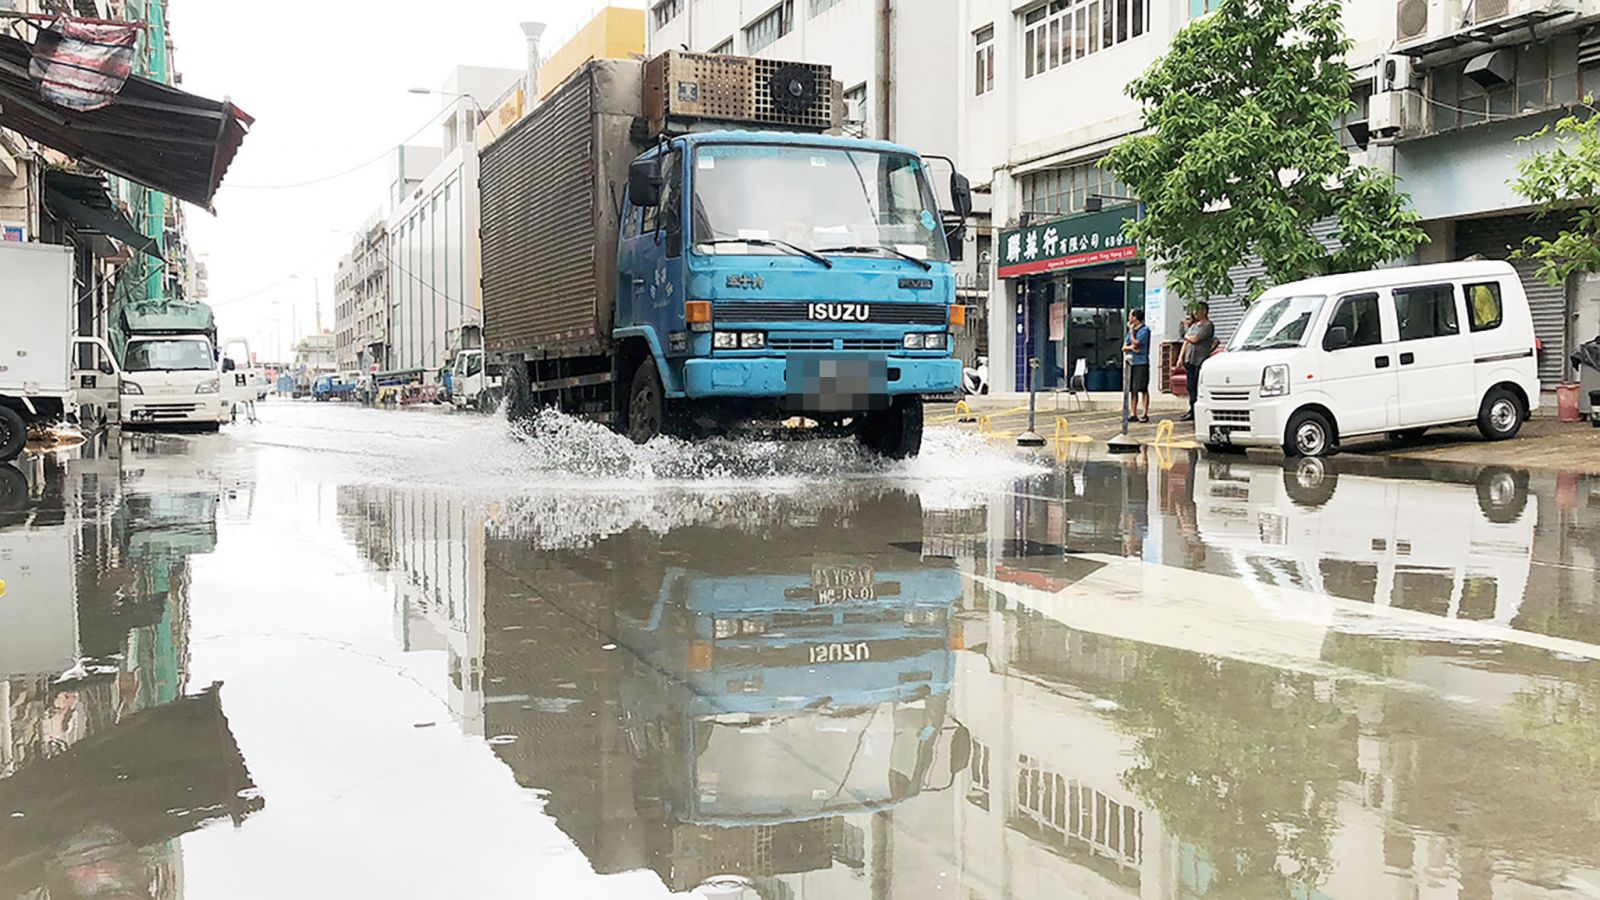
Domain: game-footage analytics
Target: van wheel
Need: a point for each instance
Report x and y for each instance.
(1502, 494)
(896, 432)
(1501, 416)
(1309, 434)
(13, 434)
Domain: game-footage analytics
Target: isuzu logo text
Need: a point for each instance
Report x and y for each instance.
(838, 312)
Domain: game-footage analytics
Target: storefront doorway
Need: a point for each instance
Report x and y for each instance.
(1079, 317)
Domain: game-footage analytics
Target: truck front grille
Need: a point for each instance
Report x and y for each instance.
(800, 311)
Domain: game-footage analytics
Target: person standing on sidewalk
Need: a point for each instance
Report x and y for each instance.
(1137, 349)
(1198, 342)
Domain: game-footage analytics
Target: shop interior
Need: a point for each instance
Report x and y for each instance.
(1082, 315)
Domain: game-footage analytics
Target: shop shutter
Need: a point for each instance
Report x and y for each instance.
(1496, 238)
(1227, 311)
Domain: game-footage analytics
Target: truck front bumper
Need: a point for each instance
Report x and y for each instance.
(201, 410)
(767, 376)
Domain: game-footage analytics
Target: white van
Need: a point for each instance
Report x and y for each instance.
(1393, 351)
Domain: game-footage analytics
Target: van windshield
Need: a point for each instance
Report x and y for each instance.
(170, 355)
(1278, 322)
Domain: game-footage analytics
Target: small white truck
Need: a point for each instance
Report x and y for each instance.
(473, 387)
(47, 375)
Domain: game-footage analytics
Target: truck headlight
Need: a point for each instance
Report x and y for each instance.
(207, 387)
(725, 340)
(914, 341)
(933, 341)
(1275, 381)
(129, 387)
(752, 340)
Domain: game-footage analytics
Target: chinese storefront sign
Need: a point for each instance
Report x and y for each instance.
(1090, 239)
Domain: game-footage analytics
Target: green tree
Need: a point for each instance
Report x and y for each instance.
(1564, 181)
(1241, 156)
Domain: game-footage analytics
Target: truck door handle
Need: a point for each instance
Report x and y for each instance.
(1381, 362)
(1407, 359)
(638, 282)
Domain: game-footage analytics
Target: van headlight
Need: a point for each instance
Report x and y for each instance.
(207, 387)
(1275, 381)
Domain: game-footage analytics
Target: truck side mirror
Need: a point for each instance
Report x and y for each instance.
(1337, 338)
(106, 368)
(228, 365)
(961, 194)
(645, 182)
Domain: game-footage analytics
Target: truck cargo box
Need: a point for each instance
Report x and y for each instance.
(36, 292)
(550, 191)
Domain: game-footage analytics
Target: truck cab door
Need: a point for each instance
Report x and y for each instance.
(652, 269)
(97, 380)
(238, 381)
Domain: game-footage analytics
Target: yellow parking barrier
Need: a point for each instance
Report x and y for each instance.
(1164, 432)
(964, 413)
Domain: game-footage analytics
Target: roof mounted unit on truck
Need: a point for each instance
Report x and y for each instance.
(683, 90)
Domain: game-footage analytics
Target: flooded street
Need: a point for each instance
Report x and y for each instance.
(350, 653)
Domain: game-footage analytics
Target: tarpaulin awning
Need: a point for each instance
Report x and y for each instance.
(85, 200)
(158, 136)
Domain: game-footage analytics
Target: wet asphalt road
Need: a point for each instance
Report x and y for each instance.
(348, 653)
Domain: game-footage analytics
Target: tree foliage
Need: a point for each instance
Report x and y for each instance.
(1241, 156)
(1564, 180)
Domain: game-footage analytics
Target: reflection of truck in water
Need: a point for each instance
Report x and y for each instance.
(1456, 550)
(752, 697)
(645, 270)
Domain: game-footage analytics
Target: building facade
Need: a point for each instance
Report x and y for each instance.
(361, 301)
(1061, 294)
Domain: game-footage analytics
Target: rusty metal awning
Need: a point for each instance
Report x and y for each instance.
(86, 201)
(158, 136)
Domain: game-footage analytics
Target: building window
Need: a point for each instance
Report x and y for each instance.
(665, 11)
(1063, 191)
(725, 48)
(821, 6)
(984, 61)
(1068, 30)
(774, 24)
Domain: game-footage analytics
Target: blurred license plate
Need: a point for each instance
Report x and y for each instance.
(1220, 435)
(834, 385)
(843, 584)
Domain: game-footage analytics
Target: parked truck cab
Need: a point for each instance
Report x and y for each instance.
(680, 247)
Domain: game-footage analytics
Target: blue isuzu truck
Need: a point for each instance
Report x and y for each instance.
(687, 246)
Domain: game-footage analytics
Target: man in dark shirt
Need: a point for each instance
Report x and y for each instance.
(1198, 342)
(1137, 349)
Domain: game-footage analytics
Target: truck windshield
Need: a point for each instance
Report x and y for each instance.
(820, 199)
(170, 355)
(1277, 322)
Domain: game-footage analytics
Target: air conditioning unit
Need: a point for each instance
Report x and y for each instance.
(1422, 20)
(1480, 11)
(1394, 73)
(1395, 114)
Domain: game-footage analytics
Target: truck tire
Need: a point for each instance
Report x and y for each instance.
(519, 392)
(650, 413)
(896, 432)
(13, 434)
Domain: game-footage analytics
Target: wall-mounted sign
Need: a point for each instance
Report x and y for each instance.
(1089, 239)
(13, 231)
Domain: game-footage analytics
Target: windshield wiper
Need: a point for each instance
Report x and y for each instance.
(770, 242)
(880, 248)
(1274, 345)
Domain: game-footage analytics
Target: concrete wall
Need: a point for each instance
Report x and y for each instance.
(1467, 172)
(434, 265)
(615, 33)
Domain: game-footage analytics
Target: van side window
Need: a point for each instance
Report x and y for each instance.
(1426, 312)
(1358, 314)
(1483, 306)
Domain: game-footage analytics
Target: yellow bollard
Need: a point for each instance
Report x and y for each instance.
(964, 413)
(1063, 438)
(1164, 433)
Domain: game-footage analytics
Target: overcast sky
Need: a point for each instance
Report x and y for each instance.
(327, 84)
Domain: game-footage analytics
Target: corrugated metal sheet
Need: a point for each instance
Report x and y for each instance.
(549, 188)
(1496, 238)
(1228, 311)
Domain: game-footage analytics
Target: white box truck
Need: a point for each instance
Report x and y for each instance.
(41, 383)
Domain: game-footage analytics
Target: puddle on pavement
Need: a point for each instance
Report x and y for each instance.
(237, 669)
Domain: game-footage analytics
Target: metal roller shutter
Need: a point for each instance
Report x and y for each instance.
(1496, 238)
(1228, 311)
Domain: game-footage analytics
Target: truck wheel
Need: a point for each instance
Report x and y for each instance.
(519, 392)
(13, 434)
(1501, 416)
(896, 432)
(649, 414)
